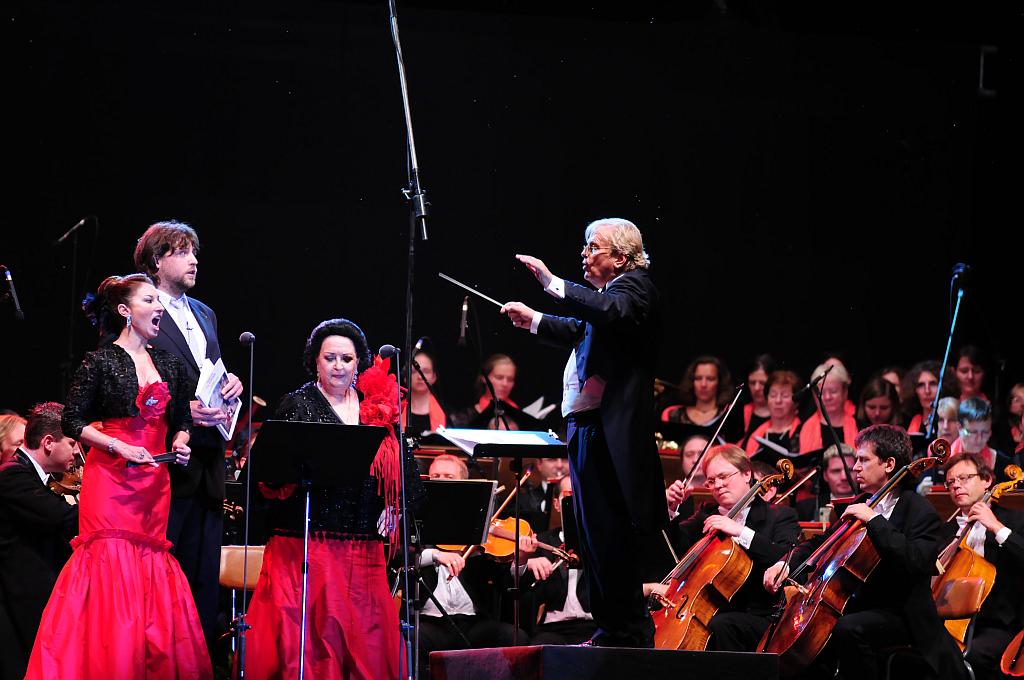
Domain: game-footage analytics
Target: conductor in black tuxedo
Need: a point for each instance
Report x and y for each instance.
(35, 527)
(612, 331)
(167, 251)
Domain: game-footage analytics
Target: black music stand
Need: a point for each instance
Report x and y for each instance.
(514, 444)
(325, 454)
(454, 512)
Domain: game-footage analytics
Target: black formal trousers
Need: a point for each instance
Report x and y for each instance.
(196, 530)
(568, 632)
(436, 634)
(609, 541)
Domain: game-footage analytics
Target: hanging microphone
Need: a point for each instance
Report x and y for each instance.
(800, 392)
(418, 347)
(462, 323)
(387, 351)
(72, 230)
(247, 338)
(18, 314)
(959, 269)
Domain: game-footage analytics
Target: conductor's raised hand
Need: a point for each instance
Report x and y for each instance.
(537, 268)
(519, 314)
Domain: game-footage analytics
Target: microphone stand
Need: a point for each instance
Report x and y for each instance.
(241, 626)
(958, 271)
(430, 389)
(816, 392)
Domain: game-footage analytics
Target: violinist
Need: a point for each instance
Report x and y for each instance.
(765, 532)
(35, 528)
(561, 589)
(469, 589)
(894, 606)
(537, 500)
(997, 536)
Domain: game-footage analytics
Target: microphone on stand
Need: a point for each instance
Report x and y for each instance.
(462, 322)
(247, 338)
(418, 347)
(18, 314)
(387, 351)
(81, 223)
(800, 392)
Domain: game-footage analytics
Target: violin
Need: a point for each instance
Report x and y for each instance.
(69, 483)
(958, 560)
(708, 576)
(843, 562)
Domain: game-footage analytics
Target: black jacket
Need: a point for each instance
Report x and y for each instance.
(35, 527)
(616, 335)
(205, 470)
(1004, 606)
(907, 544)
(776, 530)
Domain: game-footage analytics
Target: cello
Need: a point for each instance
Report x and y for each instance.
(842, 563)
(960, 561)
(709, 575)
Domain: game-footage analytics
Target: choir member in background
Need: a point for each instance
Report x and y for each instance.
(918, 393)
(423, 413)
(354, 629)
(500, 371)
(879, 404)
(35, 528)
(969, 367)
(835, 390)
(783, 425)
(947, 419)
(894, 374)
(1011, 426)
(755, 412)
(122, 583)
(12, 435)
(706, 390)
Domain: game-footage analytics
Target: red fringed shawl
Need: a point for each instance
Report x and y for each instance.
(380, 407)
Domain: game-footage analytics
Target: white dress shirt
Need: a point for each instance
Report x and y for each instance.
(185, 319)
(450, 593)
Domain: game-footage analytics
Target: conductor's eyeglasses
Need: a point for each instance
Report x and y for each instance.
(592, 248)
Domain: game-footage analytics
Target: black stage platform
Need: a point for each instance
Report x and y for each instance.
(589, 663)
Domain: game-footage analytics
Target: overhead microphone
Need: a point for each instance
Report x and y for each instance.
(462, 322)
(18, 314)
(72, 230)
(247, 338)
(800, 392)
(387, 351)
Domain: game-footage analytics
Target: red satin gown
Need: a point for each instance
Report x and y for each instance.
(121, 607)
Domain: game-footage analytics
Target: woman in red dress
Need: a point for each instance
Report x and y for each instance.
(352, 624)
(121, 607)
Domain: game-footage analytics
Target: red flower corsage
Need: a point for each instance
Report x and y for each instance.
(152, 401)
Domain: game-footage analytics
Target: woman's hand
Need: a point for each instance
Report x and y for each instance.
(180, 447)
(133, 454)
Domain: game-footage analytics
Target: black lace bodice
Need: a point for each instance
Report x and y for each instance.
(334, 512)
(106, 385)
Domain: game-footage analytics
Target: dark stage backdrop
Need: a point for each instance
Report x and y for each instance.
(804, 181)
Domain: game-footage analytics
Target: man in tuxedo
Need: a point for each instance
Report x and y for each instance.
(35, 527)
(995, 536)
(167, 251)
(894, 605)
(612, 332)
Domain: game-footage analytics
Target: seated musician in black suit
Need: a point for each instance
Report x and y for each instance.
(765, 532)
(833, 473)
(998, 536)
(469, 590)
(894, 606)
(35, 527)
(559, 590)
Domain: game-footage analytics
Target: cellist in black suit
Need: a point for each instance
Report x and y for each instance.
(613, 331)
(997, 536)
(766, 532)
(35, 527)
(894, 606)
(167, 251)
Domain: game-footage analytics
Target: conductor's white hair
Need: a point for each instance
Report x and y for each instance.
(623, 238)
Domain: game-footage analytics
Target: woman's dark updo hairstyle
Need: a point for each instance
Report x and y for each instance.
(345, 329)
(102, 309)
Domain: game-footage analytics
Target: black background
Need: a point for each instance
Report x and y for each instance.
(804, 177)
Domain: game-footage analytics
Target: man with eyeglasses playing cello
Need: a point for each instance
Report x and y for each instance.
(996, 534)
